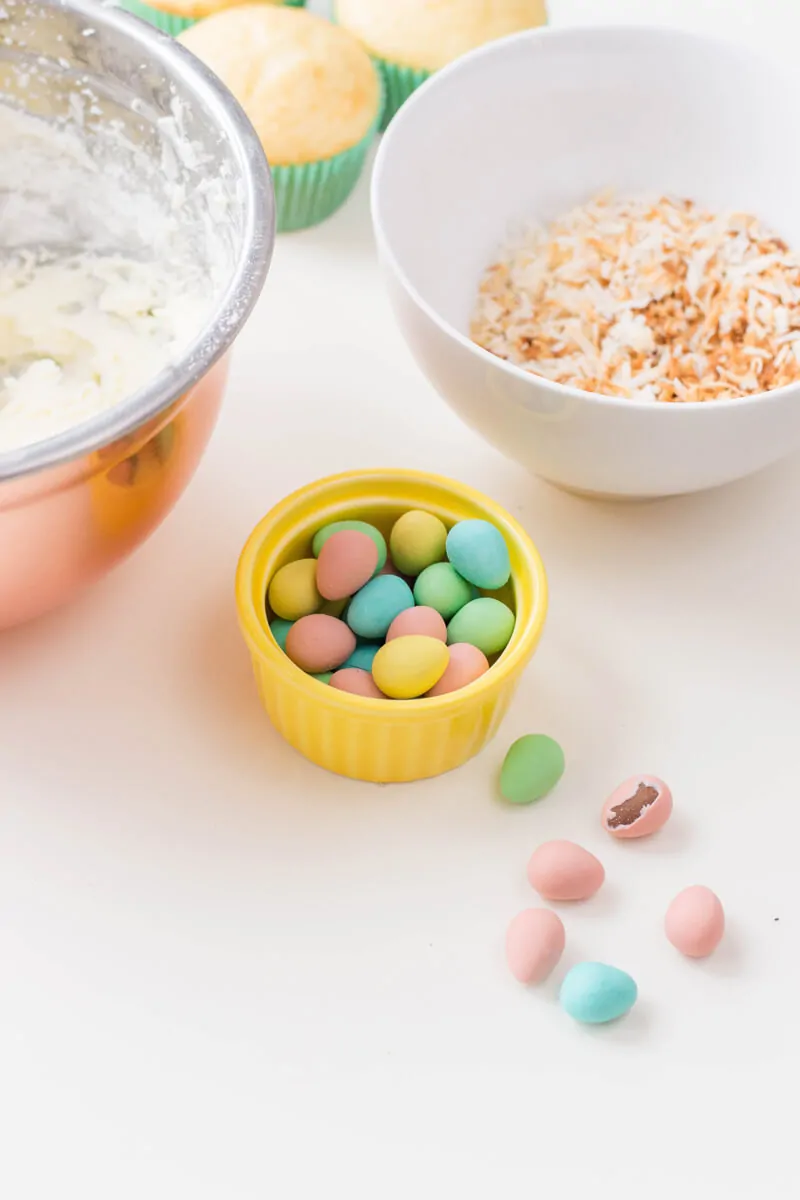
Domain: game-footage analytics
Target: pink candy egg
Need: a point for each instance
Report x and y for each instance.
(695, 922)
(319, 643)
(564, 871)
(421, 620)
(534, 943)
(346, 562)
(467, 663)
(639, 806)
(357, 683)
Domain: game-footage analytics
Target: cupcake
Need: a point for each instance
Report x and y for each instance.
(410, 39)
(173, 16)
(311, 92)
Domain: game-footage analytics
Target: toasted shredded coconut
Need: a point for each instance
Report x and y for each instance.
(650, 299)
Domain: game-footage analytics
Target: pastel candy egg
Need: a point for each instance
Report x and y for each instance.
(534, 943)
(373, 609)
(695, 922)
(280, 631)
(639, 806)
(323, 677)
(321, 537)
(532, 767)
(347, 560)
(467, 663)
(356, 683)
(595, 993)
(486, 623)
(562, 870)
(335, 608)
(293, 591)
(441, 587)
(319, 643)
(417, 541)
(409, 666)
(479, 553)
(363, 656)
(425, 621)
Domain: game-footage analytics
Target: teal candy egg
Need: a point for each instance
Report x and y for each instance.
(486, 623)
(376, 605)
(594, 993)
(327, 531)
(441, 587)
(362, 656)
(479, 553)
(280, 631)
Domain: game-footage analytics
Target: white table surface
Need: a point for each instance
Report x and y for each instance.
(226, 975)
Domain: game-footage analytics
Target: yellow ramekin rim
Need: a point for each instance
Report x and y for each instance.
(529, 582)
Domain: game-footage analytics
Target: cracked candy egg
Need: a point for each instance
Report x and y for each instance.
(639, 806)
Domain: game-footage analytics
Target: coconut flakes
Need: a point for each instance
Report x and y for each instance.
(651, 299)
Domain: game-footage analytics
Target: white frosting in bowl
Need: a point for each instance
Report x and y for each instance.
(79, 334)
(103, 281)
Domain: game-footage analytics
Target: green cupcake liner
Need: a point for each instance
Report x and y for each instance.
(170, 22)
(398, 83)
(165, 21)
(309, 193)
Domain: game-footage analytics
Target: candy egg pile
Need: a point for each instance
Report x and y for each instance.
(408, 620)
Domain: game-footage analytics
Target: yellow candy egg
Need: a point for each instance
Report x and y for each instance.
(418, 540)
(293, 591)
(408, 667)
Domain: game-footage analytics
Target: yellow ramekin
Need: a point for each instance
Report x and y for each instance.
(383, 741)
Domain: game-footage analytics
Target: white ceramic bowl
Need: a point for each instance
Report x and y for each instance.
(528, 126)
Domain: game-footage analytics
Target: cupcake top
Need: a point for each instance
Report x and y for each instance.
(428, 34)
(195, 10)
(309, 88)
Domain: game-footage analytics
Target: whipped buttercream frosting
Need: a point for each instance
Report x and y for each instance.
(106, 273)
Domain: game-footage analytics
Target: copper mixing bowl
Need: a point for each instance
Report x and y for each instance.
(75, 505)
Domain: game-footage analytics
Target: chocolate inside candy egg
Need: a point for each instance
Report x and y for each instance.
(638, 807)
(417, 617)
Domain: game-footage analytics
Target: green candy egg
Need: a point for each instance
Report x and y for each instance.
(363, 656)
(280, 631)
(485, 623)
(418, 540)
(325, 677)
(532, 768)
(594, 993)
(441, 587)
(335, 608)
(321, 537)
(478, 551)
(376, 605)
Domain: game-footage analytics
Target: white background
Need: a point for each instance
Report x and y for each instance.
(226, 975)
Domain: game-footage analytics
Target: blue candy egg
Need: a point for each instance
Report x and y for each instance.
(376, 605)
(362, 656)
(594, 993)
(479, 553)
